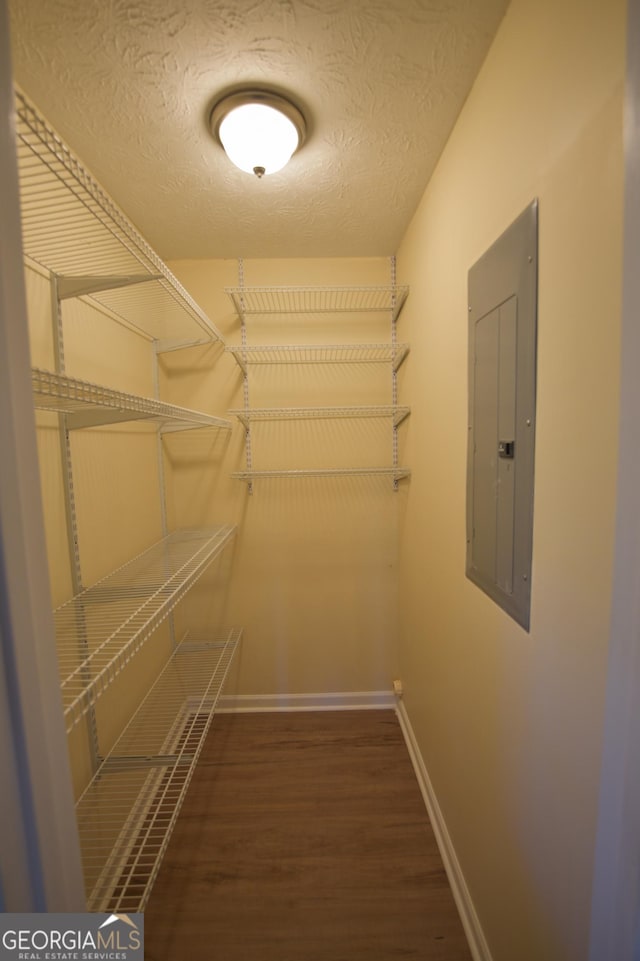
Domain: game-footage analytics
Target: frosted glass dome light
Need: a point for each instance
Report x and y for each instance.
(259, 131)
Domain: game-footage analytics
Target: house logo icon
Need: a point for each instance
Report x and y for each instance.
(119, 917)
(122, 934)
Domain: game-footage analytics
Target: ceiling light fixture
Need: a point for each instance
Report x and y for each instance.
(260, 131)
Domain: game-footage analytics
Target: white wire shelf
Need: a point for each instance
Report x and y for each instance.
(316, 300)
(127, 813)
(90, 405)
(253, 414)
(397, 473)
(72, 228)
(320, 354)
(100, 629)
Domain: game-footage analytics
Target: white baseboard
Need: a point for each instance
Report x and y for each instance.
(470, 921)
(338, 701)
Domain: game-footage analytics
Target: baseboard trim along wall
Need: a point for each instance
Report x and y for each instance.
(470, 921)
(339, 701)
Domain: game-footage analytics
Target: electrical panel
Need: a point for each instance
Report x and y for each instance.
(502, 291)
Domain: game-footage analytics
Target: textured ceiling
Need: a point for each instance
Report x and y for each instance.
(129, 85)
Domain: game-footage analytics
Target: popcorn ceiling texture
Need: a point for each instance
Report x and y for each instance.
(129, 85)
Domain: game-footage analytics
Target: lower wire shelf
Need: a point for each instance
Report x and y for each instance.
(100, 629)
(397, 473)
(128, 811)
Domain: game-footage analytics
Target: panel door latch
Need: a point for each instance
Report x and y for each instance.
(505, 448)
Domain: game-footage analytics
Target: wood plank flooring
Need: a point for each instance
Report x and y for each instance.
(303, 837)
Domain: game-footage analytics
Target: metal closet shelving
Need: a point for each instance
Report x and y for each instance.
(253, 302)
(249, 301)
(91, 405)
(100, 629)
(393, 354)
(77, 236)
(72, 228)
(253, 414)
(127, 813)
(396, 473)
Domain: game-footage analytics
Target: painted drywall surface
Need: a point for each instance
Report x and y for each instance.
(509, 722)
(314, 572)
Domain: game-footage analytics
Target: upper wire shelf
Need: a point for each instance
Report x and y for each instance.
(90, 405)
(251, 414)
(99, 630)
(315, 300)
(72, 228)
(128, 811)
(320, 354)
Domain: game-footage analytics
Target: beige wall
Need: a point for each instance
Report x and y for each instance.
(315, 562)
(509, 723)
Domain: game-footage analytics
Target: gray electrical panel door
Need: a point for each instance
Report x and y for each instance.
(500, 459)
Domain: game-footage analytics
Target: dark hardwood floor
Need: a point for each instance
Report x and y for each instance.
(303, 837)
